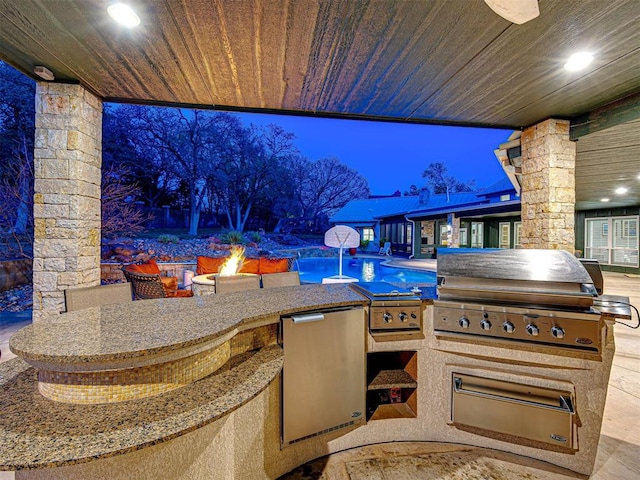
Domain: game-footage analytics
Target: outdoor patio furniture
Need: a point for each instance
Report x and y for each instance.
(283, 279)
(149, 285)
(79, 298)
(237, 283)
(386, 249)
(170, 284)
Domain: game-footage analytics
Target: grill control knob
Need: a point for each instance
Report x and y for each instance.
(485, 325)
(557, 332)
(387, 317)
(464, 322)
(533, 330)
(508, 327)
(403, 317)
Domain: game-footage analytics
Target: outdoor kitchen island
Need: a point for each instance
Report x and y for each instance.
(227, 424)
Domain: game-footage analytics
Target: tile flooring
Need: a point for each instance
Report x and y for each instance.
(618, 452)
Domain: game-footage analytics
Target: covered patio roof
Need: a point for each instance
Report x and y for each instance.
(430, 61)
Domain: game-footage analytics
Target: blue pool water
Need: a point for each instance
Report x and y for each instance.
(314, 269)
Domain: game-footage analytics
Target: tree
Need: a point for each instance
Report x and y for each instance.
(119, 213)
(17, 130)
(441, 182)
(181, 143)
(249, 168)
(143, 164)
(413, 191)
(328, 186)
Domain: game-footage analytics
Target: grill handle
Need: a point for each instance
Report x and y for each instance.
(566, 405)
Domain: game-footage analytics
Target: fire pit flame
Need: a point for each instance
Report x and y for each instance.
(233, 263)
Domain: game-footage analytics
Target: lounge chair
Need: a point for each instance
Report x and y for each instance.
(386, 250)
(150, 285)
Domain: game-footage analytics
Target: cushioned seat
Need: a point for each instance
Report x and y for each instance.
(147, 282)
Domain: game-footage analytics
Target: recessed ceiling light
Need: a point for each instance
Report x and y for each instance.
(638, 177)
(578, 61)
(604, 199)
(621, 190)
(123, 14)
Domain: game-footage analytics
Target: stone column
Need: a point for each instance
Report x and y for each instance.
(548, 186)
(66, 211)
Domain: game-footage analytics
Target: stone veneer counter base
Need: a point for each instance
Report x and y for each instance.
(37, 433)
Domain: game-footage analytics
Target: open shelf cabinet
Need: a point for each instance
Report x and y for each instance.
(391, 385)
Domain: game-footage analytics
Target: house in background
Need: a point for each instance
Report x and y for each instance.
(417, 225)
(489, 218)
(373, 219)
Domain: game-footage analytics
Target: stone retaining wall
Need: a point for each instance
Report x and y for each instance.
(14, 273)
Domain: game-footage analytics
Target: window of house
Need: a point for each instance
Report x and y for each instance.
(366, 234)
(463, 237)
(517, 227)
(612, 240)
(505, 234)
(444, 234)
(477, 235)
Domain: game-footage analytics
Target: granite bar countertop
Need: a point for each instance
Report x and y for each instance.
(152, 327)
(37, 433)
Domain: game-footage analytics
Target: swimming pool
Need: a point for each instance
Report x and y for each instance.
(314, 269)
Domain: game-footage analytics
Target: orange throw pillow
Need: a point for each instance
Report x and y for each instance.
(250, 265)
(274, 265)
(149, 268)
(208, 265)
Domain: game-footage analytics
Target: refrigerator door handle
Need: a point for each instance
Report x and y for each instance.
(306, 318)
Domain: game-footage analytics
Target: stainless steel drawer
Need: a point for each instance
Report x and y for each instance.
(540, 414)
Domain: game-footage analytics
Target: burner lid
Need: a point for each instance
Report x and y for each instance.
(382, 289)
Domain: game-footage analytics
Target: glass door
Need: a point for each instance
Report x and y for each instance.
(477, 235)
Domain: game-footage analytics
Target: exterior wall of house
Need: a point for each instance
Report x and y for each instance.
(624, 213)
(67, 164)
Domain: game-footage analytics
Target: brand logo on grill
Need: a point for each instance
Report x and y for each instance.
(558, 438)
(584, 341)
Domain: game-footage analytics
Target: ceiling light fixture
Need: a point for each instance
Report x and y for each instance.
(604, 199)
(621, 191)
(578, 61)
(123, 14)
(44, 73)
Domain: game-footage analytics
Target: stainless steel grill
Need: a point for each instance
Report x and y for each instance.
(391, 308)
(541, 296)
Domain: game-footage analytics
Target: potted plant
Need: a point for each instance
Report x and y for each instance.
(364, 244)
(353, 251)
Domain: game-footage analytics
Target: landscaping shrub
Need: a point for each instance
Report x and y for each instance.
(233, 237)
(166, 238)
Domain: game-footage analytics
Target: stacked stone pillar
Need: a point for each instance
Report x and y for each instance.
(67, 162)
(548, 186)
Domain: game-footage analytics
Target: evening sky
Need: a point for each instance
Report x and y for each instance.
(392, 156)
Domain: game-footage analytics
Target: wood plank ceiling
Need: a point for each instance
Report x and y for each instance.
(430, 61)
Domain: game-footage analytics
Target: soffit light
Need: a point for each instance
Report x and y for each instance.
(621, 190)
(123, 14)
(578, 61)
(604, 199)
